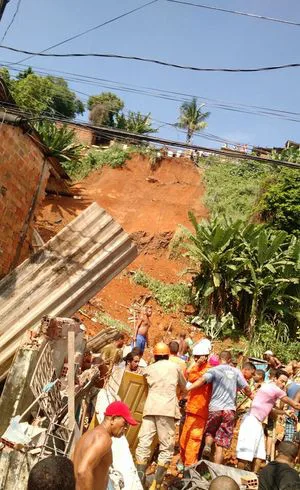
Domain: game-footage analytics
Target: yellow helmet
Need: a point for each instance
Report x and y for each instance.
(161, 349)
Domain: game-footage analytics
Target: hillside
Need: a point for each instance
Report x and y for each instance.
(149, 204)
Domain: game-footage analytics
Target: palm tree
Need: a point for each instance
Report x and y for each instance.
(192, 118)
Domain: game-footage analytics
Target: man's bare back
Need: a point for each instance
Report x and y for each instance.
(92, 459)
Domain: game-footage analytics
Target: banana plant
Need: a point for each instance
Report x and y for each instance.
(247, 270)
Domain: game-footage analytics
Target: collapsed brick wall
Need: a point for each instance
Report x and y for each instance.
(23, 178)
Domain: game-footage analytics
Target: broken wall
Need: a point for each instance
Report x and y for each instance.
(24, 172)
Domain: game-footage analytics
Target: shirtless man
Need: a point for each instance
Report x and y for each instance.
(273, 362)
(183, 345)
(93, 455)
(143, 324)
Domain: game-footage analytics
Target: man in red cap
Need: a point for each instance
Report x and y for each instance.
(93, 455)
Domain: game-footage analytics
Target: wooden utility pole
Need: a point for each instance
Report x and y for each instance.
(3, 4)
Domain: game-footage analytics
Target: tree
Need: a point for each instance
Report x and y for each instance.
(43, 95)
(135, 122)
(247, 270)
(280, 203)
(104, 108)
(192, 118)
(64, 101)
(33, 93)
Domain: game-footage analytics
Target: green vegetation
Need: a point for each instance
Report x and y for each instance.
(115, 157)
(94, 159)
(233, 188)
(109, 321)
(104, 109)
(153, 154)
(171, 297)
(135, 122)
(42, 95)
(214, 327)
(192, 118)
(280, 204)
(61, 142)
(249, 271)
(278, 339)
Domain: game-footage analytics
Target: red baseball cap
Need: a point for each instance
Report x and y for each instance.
(120, 409)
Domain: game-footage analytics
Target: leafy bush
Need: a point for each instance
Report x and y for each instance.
(153, 154)
(135, 122)
(60, 141)
(214, 327)
(169, 296)
(114, 157)
(109, 321)
(280, 204)
(278, 340)
(232, 188)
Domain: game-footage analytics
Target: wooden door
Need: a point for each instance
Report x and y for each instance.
(133, 391)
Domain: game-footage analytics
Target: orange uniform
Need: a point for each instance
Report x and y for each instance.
(196, 416)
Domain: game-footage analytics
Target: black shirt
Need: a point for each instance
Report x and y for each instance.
(278, 476)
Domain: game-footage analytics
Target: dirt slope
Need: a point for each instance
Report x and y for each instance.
(149, 204)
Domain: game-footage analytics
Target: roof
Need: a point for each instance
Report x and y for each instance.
(62, 276)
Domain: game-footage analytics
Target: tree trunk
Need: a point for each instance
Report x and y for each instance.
(253, 316)
(189, 135)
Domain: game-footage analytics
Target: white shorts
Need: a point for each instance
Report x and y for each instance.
(251, 439)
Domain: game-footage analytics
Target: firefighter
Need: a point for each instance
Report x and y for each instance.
(160, 413)
(196, 408)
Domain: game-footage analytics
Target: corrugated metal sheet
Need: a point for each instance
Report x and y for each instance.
(69, 270)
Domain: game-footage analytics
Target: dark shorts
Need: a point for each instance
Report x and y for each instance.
(220, 426)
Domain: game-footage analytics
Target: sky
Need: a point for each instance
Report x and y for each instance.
(178, 34)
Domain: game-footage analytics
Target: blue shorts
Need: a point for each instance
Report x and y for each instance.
(140, 342)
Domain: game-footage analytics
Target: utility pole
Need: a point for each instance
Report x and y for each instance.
(3, 4)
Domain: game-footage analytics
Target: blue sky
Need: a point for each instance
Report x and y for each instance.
(180, 34)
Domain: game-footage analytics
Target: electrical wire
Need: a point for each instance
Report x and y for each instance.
(237, 12)
(154, 61)
(12, 21)
(122, 135)
(170, 95)
(202, 134)
(80, 34)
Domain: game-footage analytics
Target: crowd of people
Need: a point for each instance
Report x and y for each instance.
(210, 404)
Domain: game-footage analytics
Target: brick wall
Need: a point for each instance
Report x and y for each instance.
(23, 179)
(85, 136)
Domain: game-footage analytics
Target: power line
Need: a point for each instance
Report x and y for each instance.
(125, 135)
(172, 95)
(152, 60)
(237, 12)
(80, 34)
(12, 21)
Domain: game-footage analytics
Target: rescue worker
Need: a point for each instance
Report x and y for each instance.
(160, 413)
(196, 408)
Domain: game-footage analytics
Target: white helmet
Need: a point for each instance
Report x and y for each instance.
(269, 353)
(201, 350)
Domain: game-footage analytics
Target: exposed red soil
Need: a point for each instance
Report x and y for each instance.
(150, 205)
